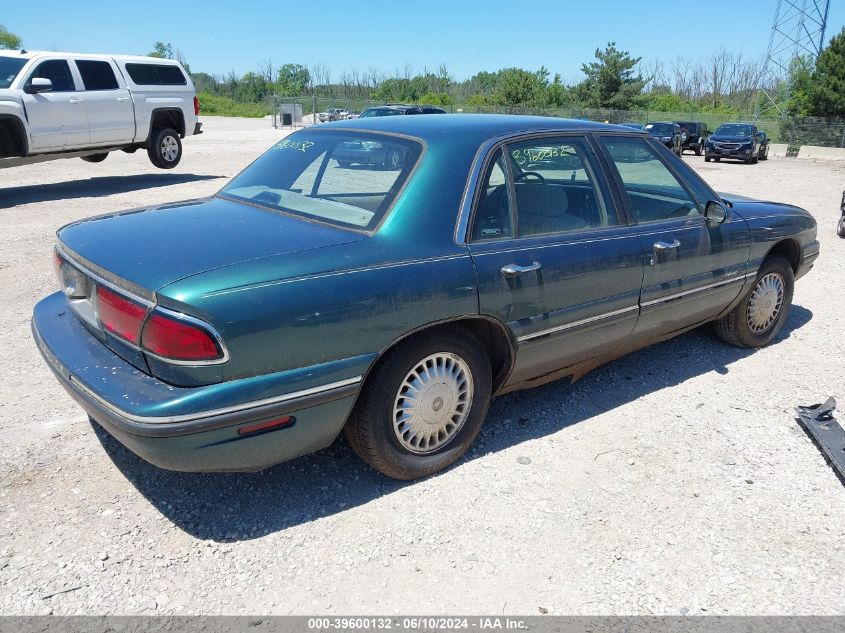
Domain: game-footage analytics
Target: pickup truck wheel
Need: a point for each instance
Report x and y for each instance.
(95, 158)
(165, 149)
(758, 318)
(422, 406)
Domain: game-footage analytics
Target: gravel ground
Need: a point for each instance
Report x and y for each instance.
(672, 481)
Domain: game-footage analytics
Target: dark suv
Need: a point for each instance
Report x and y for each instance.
(739, 141)
(667, 133)
(400, 108)
(696, 135)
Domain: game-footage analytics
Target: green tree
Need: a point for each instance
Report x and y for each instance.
(293, 80)
(162, 51)
(827, 95)
(611, 81)
(799, 85)
(9, 40)
(519, 87)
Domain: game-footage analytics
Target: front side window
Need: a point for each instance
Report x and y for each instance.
(9, 69)
(653, 191)
(555, 187)
(341, 178)
(58, 72)
(96, 75)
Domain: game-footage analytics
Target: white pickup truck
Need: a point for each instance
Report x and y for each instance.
(64, 105)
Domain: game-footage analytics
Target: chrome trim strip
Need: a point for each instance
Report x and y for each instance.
(179, 316)
(190, 417)
(566, 326)
(99, 279)
(693, 291)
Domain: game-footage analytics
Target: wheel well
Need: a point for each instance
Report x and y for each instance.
(789, 249)
(492, 335)
(12, 137)
(168, 118)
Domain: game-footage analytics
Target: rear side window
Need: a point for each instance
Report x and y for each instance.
(58, 72)
(156, 75)
(96, 75)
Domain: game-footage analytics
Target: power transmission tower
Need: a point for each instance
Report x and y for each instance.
(798, 31)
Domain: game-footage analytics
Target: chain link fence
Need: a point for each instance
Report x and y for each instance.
(794, 131)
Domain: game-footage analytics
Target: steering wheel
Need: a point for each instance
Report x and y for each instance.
(526, 174)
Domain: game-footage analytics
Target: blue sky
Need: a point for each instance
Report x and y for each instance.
(220, 35)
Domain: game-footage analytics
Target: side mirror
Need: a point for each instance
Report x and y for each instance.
(38, 84)
(715, 212)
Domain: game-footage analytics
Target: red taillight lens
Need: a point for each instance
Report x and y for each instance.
(196, 106)
(179, 340)
(119, 315)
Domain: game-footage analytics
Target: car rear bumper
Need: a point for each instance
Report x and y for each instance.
(118, 397)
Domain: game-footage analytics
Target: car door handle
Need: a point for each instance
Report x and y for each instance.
(75, 100)
(123, 98)
(666, 246)
(512, 270)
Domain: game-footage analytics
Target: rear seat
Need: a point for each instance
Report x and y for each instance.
(543, 209)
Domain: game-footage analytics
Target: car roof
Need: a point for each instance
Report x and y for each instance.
(479, 127)
(27, 54)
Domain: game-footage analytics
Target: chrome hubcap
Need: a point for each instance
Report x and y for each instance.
(765, 303)
(433, 403)
(169, 148)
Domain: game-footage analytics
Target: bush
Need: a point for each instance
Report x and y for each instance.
(223, 106)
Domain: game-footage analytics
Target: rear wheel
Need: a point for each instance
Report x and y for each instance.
(423, 405)
(698, 150)
(765, 155)
(95, 158)
(165, 150)
(758, 318)
(840, 228)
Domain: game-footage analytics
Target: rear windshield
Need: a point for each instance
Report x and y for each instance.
(156, 75)
(379, 112)
(348, 179)
(9, 69)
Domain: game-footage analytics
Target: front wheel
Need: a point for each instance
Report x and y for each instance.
(840, 228)
(758, 318)
(165, 150)
(95, 158)
(423, 405)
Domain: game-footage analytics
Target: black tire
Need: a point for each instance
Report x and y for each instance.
(343, 164)
(698, 150)
(165, 150)
(706, 159)
(840, 227)
(370, 429)
(95, 158)
(734, 327)
(765, 155)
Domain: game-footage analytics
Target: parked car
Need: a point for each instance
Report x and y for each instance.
(733, 140)
(398, 108)
(332, 114)
(667, 133)
(392, 305)
(696, 135)
(65, 105)
(763, 149)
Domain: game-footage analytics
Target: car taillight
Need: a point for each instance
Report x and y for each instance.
(57, 266)
(196, 106)
(179, 340)
(119, 315)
